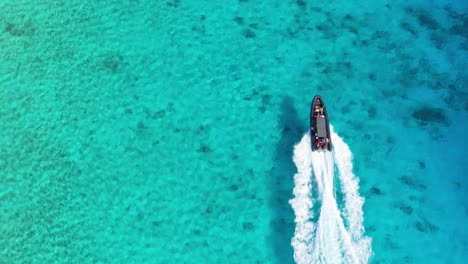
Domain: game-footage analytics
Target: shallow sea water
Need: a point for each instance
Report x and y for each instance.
(163, 131)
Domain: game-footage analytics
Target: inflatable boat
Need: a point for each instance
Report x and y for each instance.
(319, 126)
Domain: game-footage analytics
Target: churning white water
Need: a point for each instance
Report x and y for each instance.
(327, 239)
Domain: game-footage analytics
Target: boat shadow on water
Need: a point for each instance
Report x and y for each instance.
(282, 182)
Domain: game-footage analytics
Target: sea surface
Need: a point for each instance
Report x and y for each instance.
(164, 131)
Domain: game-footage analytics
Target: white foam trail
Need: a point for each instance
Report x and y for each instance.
(353, 201)
(302, 203)
(333, 243)
(329, 241)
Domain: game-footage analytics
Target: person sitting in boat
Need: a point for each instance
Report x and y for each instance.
(317, 109)
(318, 144)
(325, 142)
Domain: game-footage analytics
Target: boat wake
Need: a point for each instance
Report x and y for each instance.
(334, 235)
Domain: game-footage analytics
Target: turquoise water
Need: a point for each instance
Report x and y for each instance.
(163, 131)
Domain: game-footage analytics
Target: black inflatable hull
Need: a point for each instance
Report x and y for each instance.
(320, 137)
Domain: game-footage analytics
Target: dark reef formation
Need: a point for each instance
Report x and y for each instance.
(423, 225)
(410, 182)
(405, 208)
(429, 115)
